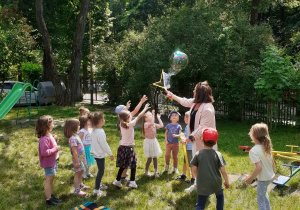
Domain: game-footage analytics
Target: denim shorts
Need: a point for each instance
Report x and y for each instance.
(51, 171)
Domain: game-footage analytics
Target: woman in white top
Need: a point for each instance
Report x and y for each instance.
(261, 156)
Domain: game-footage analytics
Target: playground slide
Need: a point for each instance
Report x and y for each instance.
(12, 98)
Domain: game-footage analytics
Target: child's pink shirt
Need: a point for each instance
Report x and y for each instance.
(47, 151)
(128, 134)
(150, 130)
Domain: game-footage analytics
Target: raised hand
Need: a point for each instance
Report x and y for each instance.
(144, 98)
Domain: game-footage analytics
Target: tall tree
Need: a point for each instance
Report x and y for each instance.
(50, 72)
(254, 12)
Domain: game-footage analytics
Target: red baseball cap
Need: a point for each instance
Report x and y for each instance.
(210, 134)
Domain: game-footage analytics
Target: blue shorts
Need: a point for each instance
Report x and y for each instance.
(51, 171)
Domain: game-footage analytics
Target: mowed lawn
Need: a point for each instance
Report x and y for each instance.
(22, 179)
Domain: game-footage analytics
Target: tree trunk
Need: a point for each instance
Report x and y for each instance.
(76, 52)
(84, 77)
(50, 73)
(254, 12)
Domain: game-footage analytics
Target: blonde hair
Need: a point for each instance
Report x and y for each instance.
(71, 127)
(43, 125)
(260, 132)
(124, 115)
(83, 111)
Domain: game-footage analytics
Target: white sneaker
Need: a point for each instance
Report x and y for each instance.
(166, 167)
(90, 175)
(103, 186)
(80, 193)
(175, 170)
(117, 183)
(191, 188)
(99, 193)
(84, 176)
(132, 184)
(147, 174)
(156, 174)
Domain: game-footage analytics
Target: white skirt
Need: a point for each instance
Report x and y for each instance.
(151, 148)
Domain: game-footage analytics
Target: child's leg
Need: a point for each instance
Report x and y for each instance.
(201, 202)
(262, 196)
(168, 153)
(220, 200)
(132, 174)
(155, 164)
(77, 179)
(87, 172)
(49, 186)
(149, 160)
(175, 152)
(120, 173)
(124, 173)
(101, 168)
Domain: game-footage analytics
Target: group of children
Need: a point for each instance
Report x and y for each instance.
(87, 142)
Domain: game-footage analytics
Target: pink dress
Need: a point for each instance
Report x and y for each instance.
(151, 146)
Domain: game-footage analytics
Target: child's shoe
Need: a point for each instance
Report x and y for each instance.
(147, 173)
(99, 193)
(117, 183)
(191, 188)
(79, 193)
(181, 177)
(103, 186)
(125, 179)
(82, 186)
(90, 175)
(166, 168)
(51, 202)
(132, 184)
(84, 176)
(192, 180)
(156, 174)
(175, 170)
(56, 200)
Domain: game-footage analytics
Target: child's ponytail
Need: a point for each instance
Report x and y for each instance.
(124, 116)
(260, 132)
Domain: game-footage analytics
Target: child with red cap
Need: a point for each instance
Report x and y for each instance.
(207, 166)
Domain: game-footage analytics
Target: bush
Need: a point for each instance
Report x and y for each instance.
(32, 71)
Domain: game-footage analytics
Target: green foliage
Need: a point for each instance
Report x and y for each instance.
(16, 41)
(32, 71)
(276, 71)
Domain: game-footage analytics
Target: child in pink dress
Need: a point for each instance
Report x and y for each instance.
(151, 146)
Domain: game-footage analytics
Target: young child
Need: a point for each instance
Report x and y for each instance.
(85, 137)
(172, 133)
(100, 150)
(118, 109)
(83, 111)
(48, 155)
(188, 151)
(78, 155)
(261, 156)
(126, 156)
(206, 166)
(151, 146)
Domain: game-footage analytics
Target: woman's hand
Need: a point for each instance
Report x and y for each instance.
(169, 94)
(185, 141)
(248, 180)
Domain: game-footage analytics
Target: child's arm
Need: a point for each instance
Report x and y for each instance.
(75, 156)
(45, 148)
(166, 135)
(225, 176)
(177, 135)
(160, 125)
(142, 112)
(104, 145)
(81, 134)
(256, 171)
(194, 171)
(137, 108)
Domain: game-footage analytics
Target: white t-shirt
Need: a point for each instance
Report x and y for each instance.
(99, 147)
(86, 140)
(257, 154)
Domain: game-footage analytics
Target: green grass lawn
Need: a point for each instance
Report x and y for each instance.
(22, 179)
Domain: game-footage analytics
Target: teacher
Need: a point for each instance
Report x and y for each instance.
(202, 114)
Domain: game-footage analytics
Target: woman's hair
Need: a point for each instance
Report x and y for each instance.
(143, 123)
(83, 120)
(97, 117)
(124, 115)
(43, 125)
(203, 93)
(260, 132)
(71, 127)
(83, 111)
